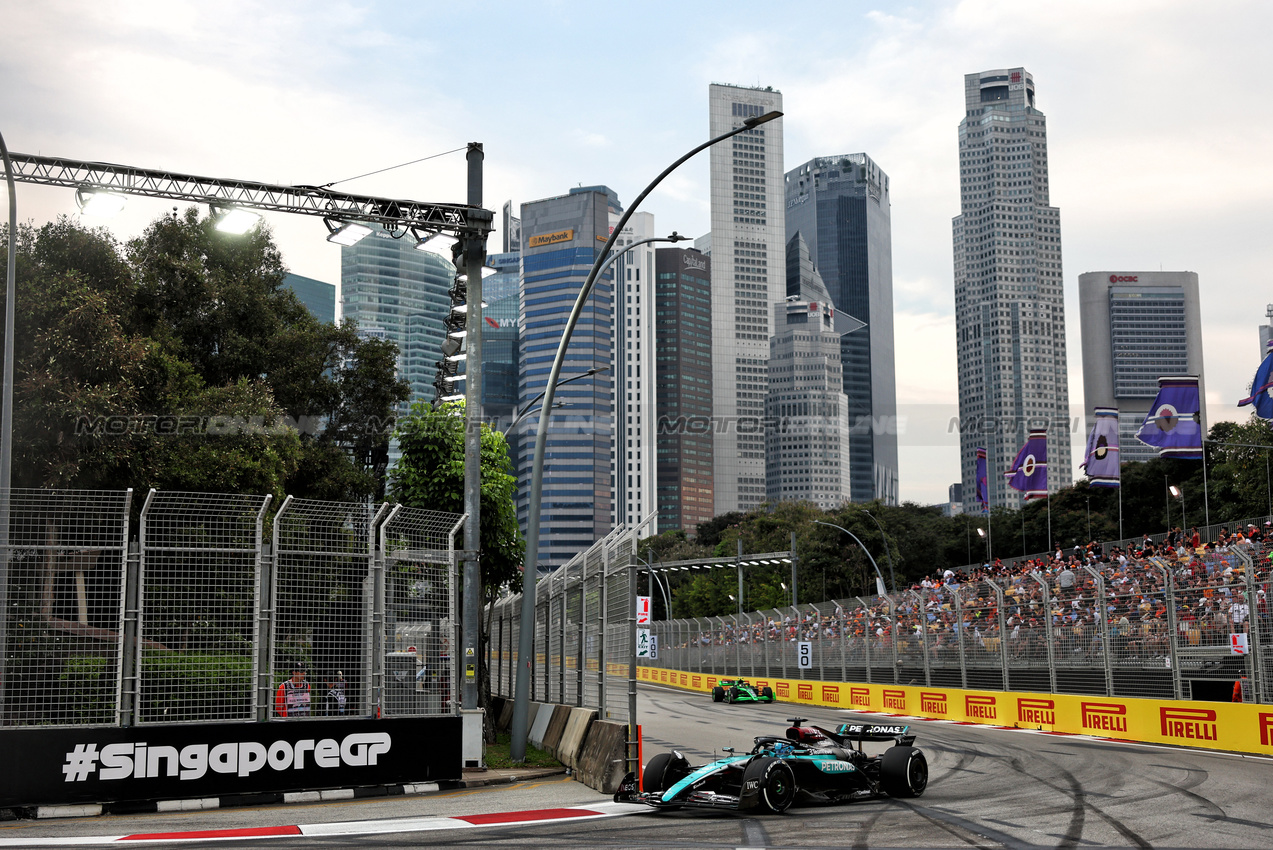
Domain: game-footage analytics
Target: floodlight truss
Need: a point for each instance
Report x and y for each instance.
(392, 214)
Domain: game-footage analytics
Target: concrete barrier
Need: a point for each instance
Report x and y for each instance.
(600, 764)
(573, 736)
(504, 718)
(539, 723)
(556, 727)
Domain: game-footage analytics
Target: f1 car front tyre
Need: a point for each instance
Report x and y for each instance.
(767, 693)
(731, 695)
(775, 784)
(718, 694)
(903, 772)
(663, 771)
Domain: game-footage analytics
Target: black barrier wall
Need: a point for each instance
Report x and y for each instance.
(88, 765)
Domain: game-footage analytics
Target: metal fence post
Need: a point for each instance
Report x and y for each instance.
(604, 594)
(131, 657)
(1003, 634)
(265, 631)
(1047, 630)
(1253, 627)
(1173, 645)
(1103, 608)
(632, 662)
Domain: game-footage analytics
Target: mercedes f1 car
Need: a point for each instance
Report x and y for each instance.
(740, 690)
(808, 764)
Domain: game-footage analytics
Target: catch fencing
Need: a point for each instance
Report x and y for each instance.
(1187, 629)
(202, 618)
(585, 630)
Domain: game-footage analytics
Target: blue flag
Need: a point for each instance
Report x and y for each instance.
(1101, 461)
(983, 481)
(1029, 472)
(1174, 423)
(1261, 387)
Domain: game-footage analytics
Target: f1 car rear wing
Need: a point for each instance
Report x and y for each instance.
(860, 732)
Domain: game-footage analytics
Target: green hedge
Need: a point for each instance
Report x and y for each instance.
(179, 686)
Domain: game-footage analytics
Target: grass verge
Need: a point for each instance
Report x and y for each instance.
(497, 755)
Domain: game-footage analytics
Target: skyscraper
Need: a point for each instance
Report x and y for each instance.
(561, 237)
(1137, 327)
(1009, 305)
(807, 438)
(500, 338)
(840, 206)
(748, 241)
(634, 408)
(683, 330)
(391, 289)
(317, 296)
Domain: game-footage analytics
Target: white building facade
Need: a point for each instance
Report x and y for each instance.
(747, 251)
(1009, 304)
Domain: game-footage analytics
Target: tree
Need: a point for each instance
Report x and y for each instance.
(430, 474)
(183, 362)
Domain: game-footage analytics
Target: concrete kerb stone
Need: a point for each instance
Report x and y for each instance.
(556, 728)
(601, 763)
(574, 735)
(539, 723)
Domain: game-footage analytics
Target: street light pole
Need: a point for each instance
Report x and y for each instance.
(879, 577)
(474, 258)
(891, 575)
(521, 700)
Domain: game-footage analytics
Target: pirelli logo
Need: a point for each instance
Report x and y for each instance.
(761, 685)
(932, 702)
(1266, 730)
(697, 682)
(663, 675)
(711, 681)
(551, 238)
(1189, 724)
(860, 696)
(981, 708)
(831, 693)
(784, 690)
(1040, 712)
(805, 691)
(684, 679)
(895, 699)
(1105, 716)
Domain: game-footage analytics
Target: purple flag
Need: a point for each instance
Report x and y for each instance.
(1101, 461)
(1174, 424)
(983, 481)
(1029, 472)
(1262, 387)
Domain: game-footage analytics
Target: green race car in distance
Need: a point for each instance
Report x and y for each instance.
(740, 690)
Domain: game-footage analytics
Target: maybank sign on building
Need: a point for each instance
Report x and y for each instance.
(553, 238)
(1214, 725)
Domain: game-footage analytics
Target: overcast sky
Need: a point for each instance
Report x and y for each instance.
(1159, 122)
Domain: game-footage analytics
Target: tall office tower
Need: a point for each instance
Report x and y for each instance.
(561, 239)
(840, 205)
(634, 465)
(1137, 327)
(1266, 332)
(318, 297)
(748, 240)
(389, 287)
(807, 441)
(1009, 304)
(500, 338)
(683, 355)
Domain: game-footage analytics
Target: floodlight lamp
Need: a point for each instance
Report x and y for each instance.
(450, 347)
(981, 532)
(464, 308)
(235, 220)
(458, 334)
(97, 202)
(453, 397)
(453, 378)
(487, 271)
(437, 243)
(1175, 491)
(455, 358)
(346, 233)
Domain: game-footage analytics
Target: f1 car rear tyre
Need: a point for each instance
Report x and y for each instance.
(767, 693)
(776, 784)
(903, 772)
(718, 694)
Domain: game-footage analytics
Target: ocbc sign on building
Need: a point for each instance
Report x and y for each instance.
(1124, 278)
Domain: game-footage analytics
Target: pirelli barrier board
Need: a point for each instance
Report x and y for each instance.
(1214, 725)
(49, 766)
